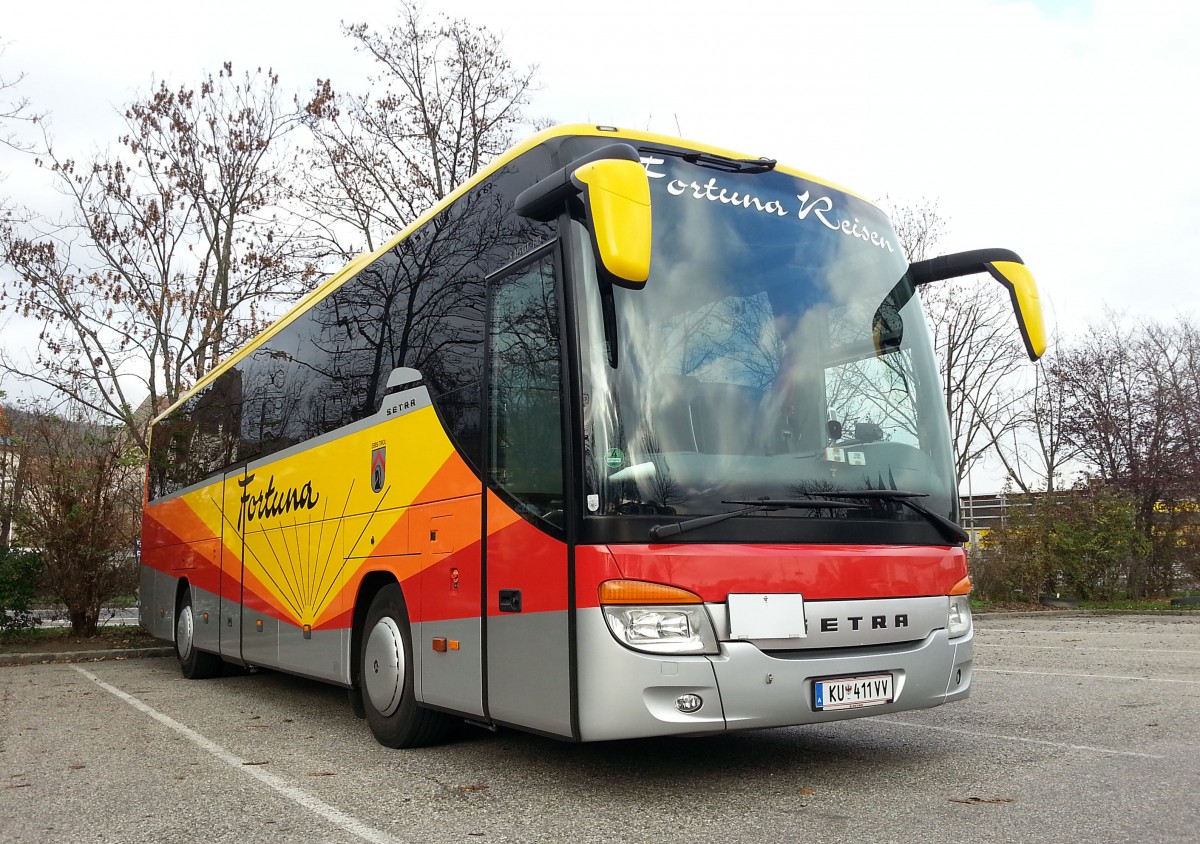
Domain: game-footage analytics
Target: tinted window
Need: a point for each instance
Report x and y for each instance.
(421, 304)
(525, 400)
(198, 439)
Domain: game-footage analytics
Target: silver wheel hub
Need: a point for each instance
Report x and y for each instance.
(183, 632)
(383, 666)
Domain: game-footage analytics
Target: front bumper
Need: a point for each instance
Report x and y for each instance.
(627, 694)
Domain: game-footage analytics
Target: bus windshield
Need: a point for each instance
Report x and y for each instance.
(777, 351)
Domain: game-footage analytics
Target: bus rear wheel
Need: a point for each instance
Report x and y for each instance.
(385, 672)
(193, 662)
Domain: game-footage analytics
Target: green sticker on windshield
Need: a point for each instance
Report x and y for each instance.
(614, 458)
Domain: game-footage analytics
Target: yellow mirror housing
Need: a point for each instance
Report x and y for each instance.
(1007, 268)
(616, 194)
(1026, 303)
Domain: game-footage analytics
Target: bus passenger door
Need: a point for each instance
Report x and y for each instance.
(528, 649)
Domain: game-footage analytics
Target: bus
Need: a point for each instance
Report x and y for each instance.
(629, 436)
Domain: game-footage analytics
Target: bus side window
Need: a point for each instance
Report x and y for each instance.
(525, 397)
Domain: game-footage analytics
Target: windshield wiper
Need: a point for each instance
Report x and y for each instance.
(948, 529)
(660, 531)
(719, 162)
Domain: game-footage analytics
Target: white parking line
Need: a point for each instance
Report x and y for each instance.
(1022, 739)
(1088, 676)
(1007, 646)
(278, 784)
(1088, 631)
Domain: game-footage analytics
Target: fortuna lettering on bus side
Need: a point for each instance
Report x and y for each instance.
(819, 207)
(273, 502)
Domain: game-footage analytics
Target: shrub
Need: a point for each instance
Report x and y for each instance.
(19, 573)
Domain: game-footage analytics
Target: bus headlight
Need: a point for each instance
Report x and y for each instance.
(958, 616)
(636, 621)
(958, 623)
(663, 630)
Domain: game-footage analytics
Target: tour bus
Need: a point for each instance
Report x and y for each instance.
(629, 436)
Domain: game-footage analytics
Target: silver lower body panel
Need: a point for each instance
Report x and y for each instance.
(626, 694)
(322, 655)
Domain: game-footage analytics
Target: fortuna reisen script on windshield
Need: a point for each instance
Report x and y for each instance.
(821, 207)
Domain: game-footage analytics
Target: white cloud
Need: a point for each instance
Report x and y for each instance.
(1060, 130)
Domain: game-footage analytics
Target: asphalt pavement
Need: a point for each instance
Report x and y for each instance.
(1079, 728)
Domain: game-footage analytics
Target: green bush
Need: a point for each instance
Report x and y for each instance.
(19, 572)
(1083, 543)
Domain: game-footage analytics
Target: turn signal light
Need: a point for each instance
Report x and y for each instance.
(963, 587)
(640, 592)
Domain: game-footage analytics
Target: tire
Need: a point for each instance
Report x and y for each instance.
(194, 663)
(386, 678)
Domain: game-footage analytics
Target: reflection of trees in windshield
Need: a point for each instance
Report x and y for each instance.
(879, 383)
(662, 484)
(751, 333)
(877, 391)
(738, 376)
(732, 340)
(807, 487)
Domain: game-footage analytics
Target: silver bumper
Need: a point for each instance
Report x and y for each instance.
(627, 694)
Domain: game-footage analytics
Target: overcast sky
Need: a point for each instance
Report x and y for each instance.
(1062, 129)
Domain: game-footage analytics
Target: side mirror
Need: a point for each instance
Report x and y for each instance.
(1008, 269)
(616, 197)
(1027, 305)
(616, 194)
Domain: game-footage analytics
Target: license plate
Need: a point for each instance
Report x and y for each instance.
(852, 692)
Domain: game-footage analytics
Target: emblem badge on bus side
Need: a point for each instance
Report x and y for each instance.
(378, 467)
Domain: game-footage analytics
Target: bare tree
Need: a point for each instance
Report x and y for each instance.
(980, 356)
(1173, 353)
(1131, 408)
(13, 109)
(1042, 447)
(172, 253)
(977, 344)
(445, 102)
(919, 225)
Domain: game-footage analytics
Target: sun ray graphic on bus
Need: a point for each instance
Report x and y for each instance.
(302, 573)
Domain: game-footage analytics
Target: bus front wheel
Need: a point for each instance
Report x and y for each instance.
(385, 672)
(193, 662)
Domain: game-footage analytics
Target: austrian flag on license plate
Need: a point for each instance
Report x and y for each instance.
(852, 692)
